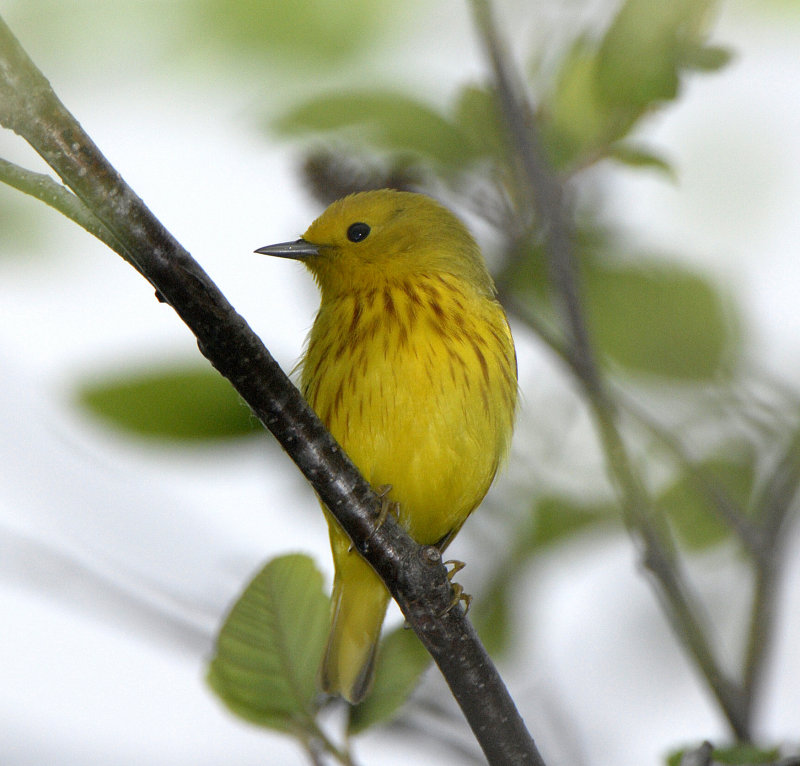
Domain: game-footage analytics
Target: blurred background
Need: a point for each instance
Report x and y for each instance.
(138, 496)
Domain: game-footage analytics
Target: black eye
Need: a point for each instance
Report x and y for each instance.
(357, 232)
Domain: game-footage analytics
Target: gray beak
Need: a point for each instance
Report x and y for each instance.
(298, 250)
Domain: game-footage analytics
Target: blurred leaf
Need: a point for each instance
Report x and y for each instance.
(745, 754)
(689, 508)
(401, 661)
(637, 156)
(710, 58)
(189, 402)
(527, 276)
(557, 518)
(575, 123)
(303, 32)
(270, 646)
(646, 47)
(742, 754)
(389, 121)
(601, 92)
(659, 320)
(478, 116)
(251, 38)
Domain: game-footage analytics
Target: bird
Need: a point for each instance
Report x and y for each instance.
(410, 364)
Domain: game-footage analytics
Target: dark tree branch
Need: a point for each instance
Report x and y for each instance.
(543, 189)
(414, 574)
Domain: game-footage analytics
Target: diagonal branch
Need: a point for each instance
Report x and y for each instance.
(414, 574)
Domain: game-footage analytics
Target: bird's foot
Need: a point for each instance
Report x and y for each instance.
(386, 506)
(458, 590)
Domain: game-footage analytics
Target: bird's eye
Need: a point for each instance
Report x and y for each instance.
(357, 232)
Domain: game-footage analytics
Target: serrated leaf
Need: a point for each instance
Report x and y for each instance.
(690, 510)
(179, 403)
(660, 320)
(270, 646)
(389, 121)
(400, 663)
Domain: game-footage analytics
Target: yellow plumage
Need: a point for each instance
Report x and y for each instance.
(410, 364)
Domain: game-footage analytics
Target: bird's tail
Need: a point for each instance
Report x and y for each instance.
(358, 606)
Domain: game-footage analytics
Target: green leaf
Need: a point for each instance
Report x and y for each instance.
(388, 121)
(401, 661)
(741, 755)
(269, 648)
(311, 33)
(183, 402)
(557, 518)
(602, 91)
(478, 116)
(745, 755)
(691, 510)
(708, 58)
(659, 320)
(640, 157)
(642, 55)
(575, 123)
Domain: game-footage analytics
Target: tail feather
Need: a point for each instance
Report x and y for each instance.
(358, 606)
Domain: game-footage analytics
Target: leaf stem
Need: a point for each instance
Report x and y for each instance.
(342, 755)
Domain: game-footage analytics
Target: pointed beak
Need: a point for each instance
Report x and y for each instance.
(298, 250)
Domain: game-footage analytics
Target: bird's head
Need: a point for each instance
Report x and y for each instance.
(369, 238)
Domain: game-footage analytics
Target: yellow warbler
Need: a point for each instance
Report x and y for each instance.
(411, 366)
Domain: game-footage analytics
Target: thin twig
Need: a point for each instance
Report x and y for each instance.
(729, 511)
(546, 193)
(773, 510)
(323, 743)
(47, 190)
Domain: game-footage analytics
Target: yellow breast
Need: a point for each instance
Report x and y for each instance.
(417, 381)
